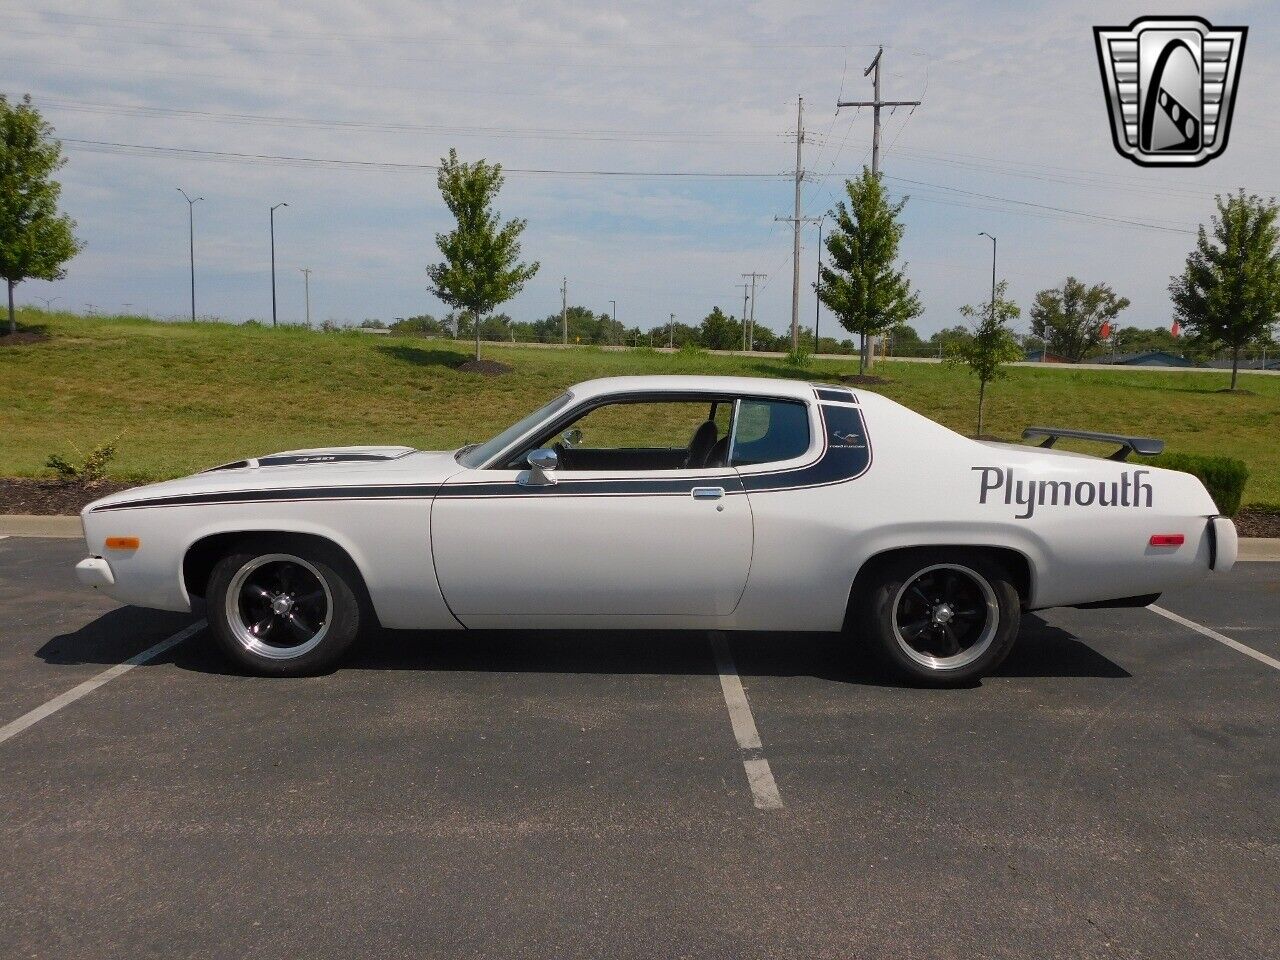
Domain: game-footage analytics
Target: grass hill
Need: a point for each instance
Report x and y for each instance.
(184, 396)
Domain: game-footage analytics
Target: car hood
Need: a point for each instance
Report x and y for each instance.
(310, 469)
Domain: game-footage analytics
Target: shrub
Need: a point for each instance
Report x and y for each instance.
(86, 468)
(800, 358)
(690, 348)
(1223, 477)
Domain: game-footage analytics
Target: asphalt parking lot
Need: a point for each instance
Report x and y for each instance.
(1113, 792)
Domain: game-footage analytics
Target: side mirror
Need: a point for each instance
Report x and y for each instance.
(571, 437)
(541, 463)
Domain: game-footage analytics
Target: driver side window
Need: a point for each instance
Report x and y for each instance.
(647, 435)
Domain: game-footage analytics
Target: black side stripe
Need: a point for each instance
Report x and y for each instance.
(846, 455)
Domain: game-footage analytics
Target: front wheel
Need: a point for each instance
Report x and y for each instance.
(283, 609)
(941, 619)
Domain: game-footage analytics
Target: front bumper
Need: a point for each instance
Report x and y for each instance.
(95, 572)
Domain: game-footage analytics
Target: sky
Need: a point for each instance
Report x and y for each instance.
(1012, 131)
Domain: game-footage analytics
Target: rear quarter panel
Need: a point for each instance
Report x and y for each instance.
(929, 486)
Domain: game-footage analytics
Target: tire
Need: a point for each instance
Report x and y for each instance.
(940, 618)
(283, 608)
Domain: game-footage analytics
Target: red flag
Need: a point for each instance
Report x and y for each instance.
(1106, 330)
(1176, 329)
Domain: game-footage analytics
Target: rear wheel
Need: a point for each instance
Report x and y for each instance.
(941, 618)
(283, 609)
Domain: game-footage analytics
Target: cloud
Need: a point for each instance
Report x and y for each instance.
(1013, 108)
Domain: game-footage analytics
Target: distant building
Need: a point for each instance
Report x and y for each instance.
(1045, 356)
(1145, 358)
(1271, 363)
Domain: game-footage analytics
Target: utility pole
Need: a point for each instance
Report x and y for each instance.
(796, 220)
(191, 245)
(817, 290)
(876, 105)
(745, 287)
(671, 335)
(306, 282)
(751, 323)
(614, 304)
(564, 309)
(273, 261)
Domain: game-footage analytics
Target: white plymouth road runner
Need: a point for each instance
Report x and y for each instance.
(665, 502)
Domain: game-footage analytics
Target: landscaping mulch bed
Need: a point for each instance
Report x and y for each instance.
(49, 498)
(489, 368)
(1252, 522)
(22, 338)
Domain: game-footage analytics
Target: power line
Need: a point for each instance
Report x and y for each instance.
(136, 149)
(535, 133)
(111, 146)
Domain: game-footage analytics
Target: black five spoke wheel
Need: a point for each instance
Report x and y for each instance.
(278, 606)
(945, 617)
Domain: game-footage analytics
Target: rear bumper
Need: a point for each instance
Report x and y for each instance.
(95, 572)
(1224, 544)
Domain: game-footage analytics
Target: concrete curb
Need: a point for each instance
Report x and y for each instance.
(19, 525)
(1259, 548)
(25, 525)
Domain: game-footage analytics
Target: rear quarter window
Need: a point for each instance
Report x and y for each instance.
(769, 431)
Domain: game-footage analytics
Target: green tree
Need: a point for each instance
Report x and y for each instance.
(481, 267)
(1069, 318)
(859, 283)
(719, 331)
(35, 240)
(1229, 290)
(991, 344)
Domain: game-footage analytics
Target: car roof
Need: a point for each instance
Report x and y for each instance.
(758, 386)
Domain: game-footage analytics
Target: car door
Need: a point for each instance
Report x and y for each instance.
(621, 534)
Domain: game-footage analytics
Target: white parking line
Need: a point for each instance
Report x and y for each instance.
(33, 717)
(763, 788)
(1236, 645)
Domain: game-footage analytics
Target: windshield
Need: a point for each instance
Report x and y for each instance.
(477, 456)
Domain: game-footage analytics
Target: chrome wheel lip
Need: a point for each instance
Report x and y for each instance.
(241, 630)
(973, 652)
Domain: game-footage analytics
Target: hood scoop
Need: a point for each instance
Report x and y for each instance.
(291, 458)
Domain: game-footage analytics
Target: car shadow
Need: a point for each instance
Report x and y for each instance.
(1042, 651)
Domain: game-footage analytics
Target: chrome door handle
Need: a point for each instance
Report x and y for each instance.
(707, 493)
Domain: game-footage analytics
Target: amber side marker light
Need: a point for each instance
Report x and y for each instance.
(123, 543)
(1167, 539)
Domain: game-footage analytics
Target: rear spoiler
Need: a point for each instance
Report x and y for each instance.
(1147, 446)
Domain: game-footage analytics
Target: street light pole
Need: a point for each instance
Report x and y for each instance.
(993, 272)
(273, 261)
(191, 245)
(306, 283)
